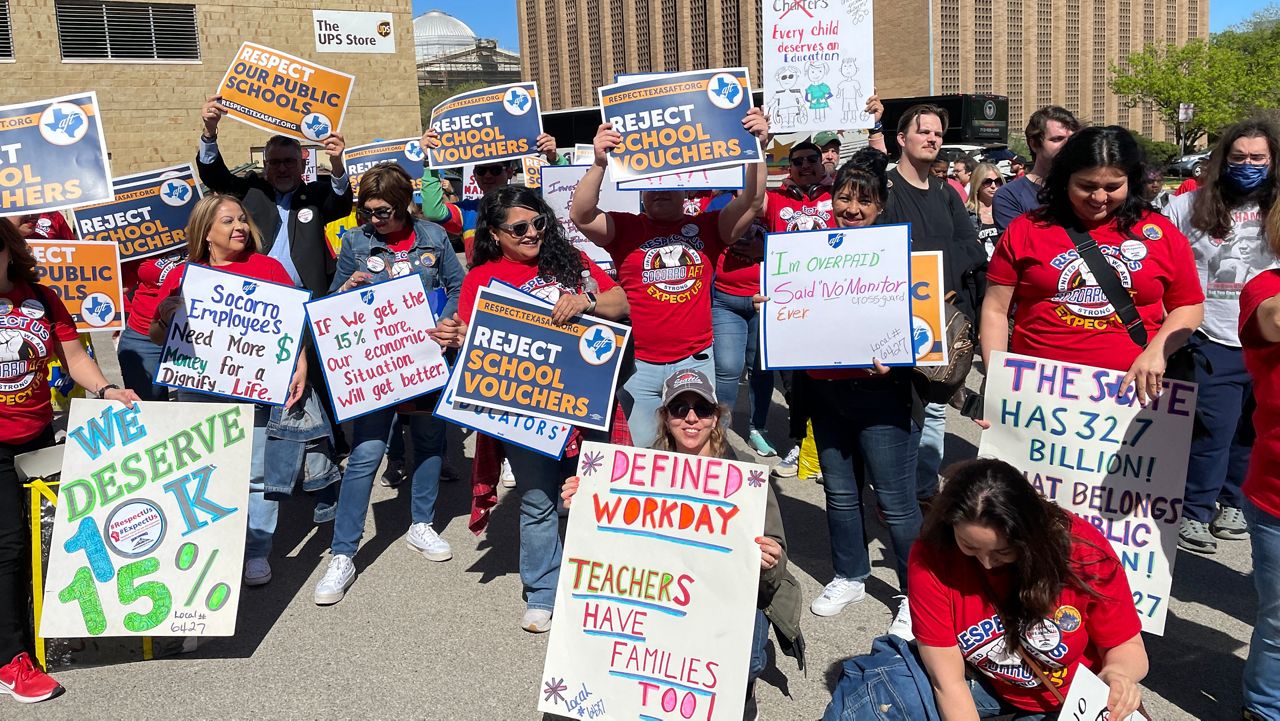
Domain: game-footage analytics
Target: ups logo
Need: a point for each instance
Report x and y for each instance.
(384, 29)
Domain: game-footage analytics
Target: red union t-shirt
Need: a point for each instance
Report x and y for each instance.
(1262, 358)
(666, 270)
(949, 608)
(142, 281)
(1060, 312)
(32, 323)
(786, 210)
(523, 276)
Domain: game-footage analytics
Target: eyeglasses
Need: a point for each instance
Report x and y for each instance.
(680, 409)
(1255, 159)
(520, 229)
(282, 162)
(379, 213)
(490, 169)
(806, 160)
(992, 181)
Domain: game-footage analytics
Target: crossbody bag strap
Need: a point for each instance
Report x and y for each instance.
(1111, 286)
(1022, 652)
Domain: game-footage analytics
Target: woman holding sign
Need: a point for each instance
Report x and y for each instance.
(390, 244)
(35, 329)
(519, 242)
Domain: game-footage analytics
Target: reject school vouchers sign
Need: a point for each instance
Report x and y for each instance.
(657, 594)
(374, 345)
(148, 215)
(818, 65)
(1095, 452)
(233, 336)
(560, 182)
(52, 155)
(148, 539)
(86, 276)
(284, 94)
(486, 125)
(405, 152)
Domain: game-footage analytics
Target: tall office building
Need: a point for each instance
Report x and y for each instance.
(1034, 51)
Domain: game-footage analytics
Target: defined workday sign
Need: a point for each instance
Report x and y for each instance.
(1097, 453)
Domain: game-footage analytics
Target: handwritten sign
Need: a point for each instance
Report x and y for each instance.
(52, 155)
(284, 94)
(374, 345)
(817, 280)
(148, 539)
(86, 276)
(818, 65)
(656, 599)
(928, 310)
(515, 359)
(405, 152)
(532, 166)
(717, 179)
(558, 185)
(679, 122)
(148, 215)
(1087, 699)
(486, 125)
(470, 188)
(234, 336)
(1098, 454)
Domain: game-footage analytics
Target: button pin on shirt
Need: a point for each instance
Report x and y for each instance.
(375, 264)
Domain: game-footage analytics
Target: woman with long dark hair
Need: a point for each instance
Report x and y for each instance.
(1060, 310)
(1006, 583)
(1224, 220)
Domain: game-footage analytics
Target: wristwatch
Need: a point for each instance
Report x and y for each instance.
(103, 390)
(591, 304)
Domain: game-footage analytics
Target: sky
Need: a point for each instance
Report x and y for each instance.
(497, 18)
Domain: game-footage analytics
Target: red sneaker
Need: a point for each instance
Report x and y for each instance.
(26, 682)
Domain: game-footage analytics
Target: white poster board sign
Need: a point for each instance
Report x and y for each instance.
(657, 594)
(148, 539)
(558, 184)
(817, 280)
(233, 336)
(1101, 456)
(373, 343)
(818, 65)
(340, 31)
(1087, 699)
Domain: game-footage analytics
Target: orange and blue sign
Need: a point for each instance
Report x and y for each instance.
(148, 215)
(52, 155)
(284, 94)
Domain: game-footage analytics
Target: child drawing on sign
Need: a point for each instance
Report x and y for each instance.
(786, 107)
(851, 110)
(818, 92)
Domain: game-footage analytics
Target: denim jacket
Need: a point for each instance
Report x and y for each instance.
(296, 442)
(888, 684)
(431, 256)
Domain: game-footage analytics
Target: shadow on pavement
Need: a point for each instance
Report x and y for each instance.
(1205, 580)
(1194, 668)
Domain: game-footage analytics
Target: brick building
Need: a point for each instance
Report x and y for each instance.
(154, 63)
(1034, 51)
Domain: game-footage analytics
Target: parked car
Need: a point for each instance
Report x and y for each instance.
(1187, 165)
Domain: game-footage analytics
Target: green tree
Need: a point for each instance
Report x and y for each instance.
(428, 98)
(1158, 152)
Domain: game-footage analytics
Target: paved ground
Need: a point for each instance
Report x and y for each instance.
(420, 640)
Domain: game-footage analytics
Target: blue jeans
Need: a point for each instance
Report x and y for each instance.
(989, 705)
(139, 358)
(1262, 669)
(1220, 451)
(737, 326)
(759, 637)
(645, 391)
(933, 437)
(369, 445)
(866, 424)
(538, 480)
(395, 443)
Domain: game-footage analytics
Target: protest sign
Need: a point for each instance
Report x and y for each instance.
(148, 538)
(558, 185)
(656, 601)
(928, 310)
(486, 125)
(405, 152)
(1098, 454)
(374, 345)
(1087, 699)
(818, 65)
(52, 155)
(470, 188)
(353, 32)
(531, 166)
(584, 154)
(233, 336)
(817, 280)
(310, 170)
(515, 359)
(284, 94)
(718, 179)
(86, 276)
(147, 215)
(679, 122)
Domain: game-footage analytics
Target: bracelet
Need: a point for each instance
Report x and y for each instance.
(103, 390)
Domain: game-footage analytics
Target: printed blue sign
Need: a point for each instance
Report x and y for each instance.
(405, 152)
(148, 215)
(486, 126)
(679, 122)
(53, 155)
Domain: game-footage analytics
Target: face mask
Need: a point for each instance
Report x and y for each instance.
(1247, 176)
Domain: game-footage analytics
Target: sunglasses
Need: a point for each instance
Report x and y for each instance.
(490, 169)
(379, 213)
(806, 160)
(680, 409)
(520, 229)
(992, 181)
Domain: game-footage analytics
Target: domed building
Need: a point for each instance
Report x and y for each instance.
(448, 53)
(437, 33)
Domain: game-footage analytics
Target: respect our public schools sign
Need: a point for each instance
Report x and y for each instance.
(280, 93)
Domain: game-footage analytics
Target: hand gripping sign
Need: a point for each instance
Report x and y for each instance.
(280, 93)
(486, 126)
(405, 152)
(148, 215)
(52, 155)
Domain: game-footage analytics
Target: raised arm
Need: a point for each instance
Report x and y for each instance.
(738, 214)
(595, 224)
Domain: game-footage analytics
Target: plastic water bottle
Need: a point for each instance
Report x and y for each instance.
(589, 284)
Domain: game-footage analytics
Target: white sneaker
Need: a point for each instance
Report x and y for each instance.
(424, 539)
(790, 465)
(337, 579)
(839, 593)
(536, 620)
(506, 476)
(901, 626)
(257, 572)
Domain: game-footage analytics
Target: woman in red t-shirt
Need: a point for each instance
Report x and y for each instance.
(1061, 312)
(138, 356)
(35, 329)
(995, 555)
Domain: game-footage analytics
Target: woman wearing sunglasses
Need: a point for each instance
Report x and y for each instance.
(389, 244)
(983, 184)
(519, 242)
